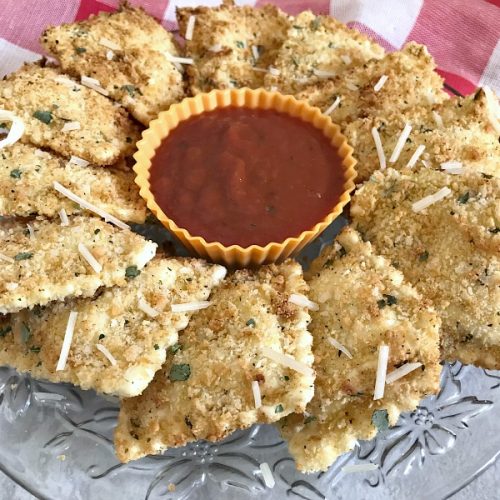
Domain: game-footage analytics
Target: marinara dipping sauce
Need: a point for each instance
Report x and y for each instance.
(245, 177)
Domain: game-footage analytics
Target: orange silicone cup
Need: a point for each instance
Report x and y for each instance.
(236, 255)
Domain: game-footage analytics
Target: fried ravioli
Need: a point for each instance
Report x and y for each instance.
(231, 46)
(411, 81)
(27, 175)
(363, 302)
(205, 389)
(449, 251)
(137, 341)
(461, 129)
(318, 47)
(46, 101)
(48, 265)
(126, 51)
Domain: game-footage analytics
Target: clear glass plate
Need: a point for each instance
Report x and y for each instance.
(56, 442)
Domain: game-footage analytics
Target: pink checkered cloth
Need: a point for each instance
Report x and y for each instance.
(462, 35)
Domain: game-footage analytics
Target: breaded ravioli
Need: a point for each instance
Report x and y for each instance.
(27, 175)
(205, 389)
(135, 338)
(318, 47)
(48, 264)
(449, 251)
(461, 129)
(363, 303)
(410, 81)
(47, 101)
(232, 46)
(127, 52)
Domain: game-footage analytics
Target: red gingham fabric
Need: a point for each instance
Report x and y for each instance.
(462, 35)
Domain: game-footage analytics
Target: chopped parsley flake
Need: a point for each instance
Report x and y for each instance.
(131, 90)
(380, 419)
(315, 24)
(97, 231)
(102, 336)
(80, 50)
(23, 256)
(388, 300)
(15, 174)
(175, 348)
(278, 409)
(157, 347)
(132, 272)
(286, 378)
(43, 116)
(423, 256)
(5, 330)
(309, 419)
(240, 44)
(251, 322)
(35, 349)
(463, 198)
(179, 372)
(495, 230)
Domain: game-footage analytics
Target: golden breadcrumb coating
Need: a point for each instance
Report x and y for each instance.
(226, 41)
(450, 251)
(138, 342)
(135, 71)
(49, 266)
(363, 302)
(204, 390)
(46, 100)
(315, 45)
(27, 176)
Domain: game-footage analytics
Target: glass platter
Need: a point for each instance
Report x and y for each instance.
(56, 442)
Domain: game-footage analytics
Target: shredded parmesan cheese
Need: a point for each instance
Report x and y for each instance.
(380, 83)
(260, 70)
(109, 55)
(437, 118)
(217, 47)
(351, 86)
(65, 81)
(94, 84)
(383, 358)
(346, 59)
(41, 153)
(76, 160)
(68, 338)
(401, 142)
(379, 148)
(288, 361)
(89, 206)
(31, 231)
(145, 307)
(190, 306)
(332, 107)
(347, 469)
(302, 301)
(340, 347)
(106, 42)
(190, 28)
(267, 475)
(6, 258)
(256, 394)
(255, 52)
(425, 163)
(106, 353)
(402, 371)
(69, 126)
(427, 201)
(64, 217)
(453, 167)
(92, 261)
(16, 129)
(415, 156)
(274, 71)
(180, 60)
(324, 74)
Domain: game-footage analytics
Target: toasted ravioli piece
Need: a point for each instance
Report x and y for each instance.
(27, 176)
(46, 101)
(450, 251)
(363, 302)
(49, 266)
(125, 51)
(136, 340)
(231, 46)
(411, 81)
(318, 47)
(204, 390)
(459, 130)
